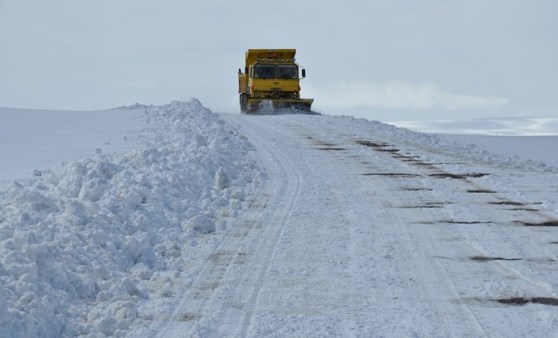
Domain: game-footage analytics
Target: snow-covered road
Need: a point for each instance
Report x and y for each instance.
(173, 221)
(366, 230)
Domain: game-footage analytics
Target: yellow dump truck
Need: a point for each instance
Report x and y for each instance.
(271, 81)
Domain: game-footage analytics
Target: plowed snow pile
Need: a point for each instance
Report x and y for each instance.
(74, 246)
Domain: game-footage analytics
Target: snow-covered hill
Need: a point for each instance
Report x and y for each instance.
(176, 221)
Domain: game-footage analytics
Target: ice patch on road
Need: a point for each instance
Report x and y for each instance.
(75, 246)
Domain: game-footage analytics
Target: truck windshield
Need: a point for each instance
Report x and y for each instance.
(287, 71)
(263, 71)
(271, 71)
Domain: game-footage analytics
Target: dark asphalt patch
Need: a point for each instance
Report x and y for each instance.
(424, 164)
(391, 174)
(524, 209)
(541, 224)
(189, 317)
(487, 259)
(448, 175)
(524, 301)
(459, 176)
(475, 175)
(417, 189)
(373, 144)
(331, 148)
(481, 191)
(466, 222)
(506, 203)
(426, 206)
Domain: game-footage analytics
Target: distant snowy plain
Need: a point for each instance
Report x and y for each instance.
(101, 211)
(530, 138)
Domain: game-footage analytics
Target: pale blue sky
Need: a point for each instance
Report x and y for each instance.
(381, 59)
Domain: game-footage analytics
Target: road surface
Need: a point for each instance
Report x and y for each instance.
(362, 232)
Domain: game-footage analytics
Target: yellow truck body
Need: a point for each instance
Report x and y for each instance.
(271, 80)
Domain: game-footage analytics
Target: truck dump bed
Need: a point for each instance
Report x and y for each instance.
(252, 55)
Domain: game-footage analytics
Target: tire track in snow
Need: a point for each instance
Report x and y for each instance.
(208, 278)
(199, 304)
(425, 173)
(501, 234)
(532, 285)
(462, 277)
(228, 306)
(294, 183)
(435, 300)
(436, 282)
(443, 284)
(418, 260)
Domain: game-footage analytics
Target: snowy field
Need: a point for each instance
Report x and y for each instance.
(173, 220)
(529, 138)
(34, 139)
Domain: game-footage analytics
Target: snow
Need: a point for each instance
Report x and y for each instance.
(510, 126)
(175, 221)
(525, 137)
(535, 148)
(76, 244)
(34, 139)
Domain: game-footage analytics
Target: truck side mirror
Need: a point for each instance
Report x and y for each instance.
(303, 73)
(239, 71)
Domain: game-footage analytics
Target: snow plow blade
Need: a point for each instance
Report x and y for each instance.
(266, 106)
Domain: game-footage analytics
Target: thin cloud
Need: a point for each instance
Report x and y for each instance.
(397, 95)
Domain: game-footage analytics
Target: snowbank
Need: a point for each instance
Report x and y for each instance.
(437, 144)
(74, 245)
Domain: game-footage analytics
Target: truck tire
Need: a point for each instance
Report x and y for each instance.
(243, 103)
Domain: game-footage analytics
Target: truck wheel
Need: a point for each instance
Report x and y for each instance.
(243, 103)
